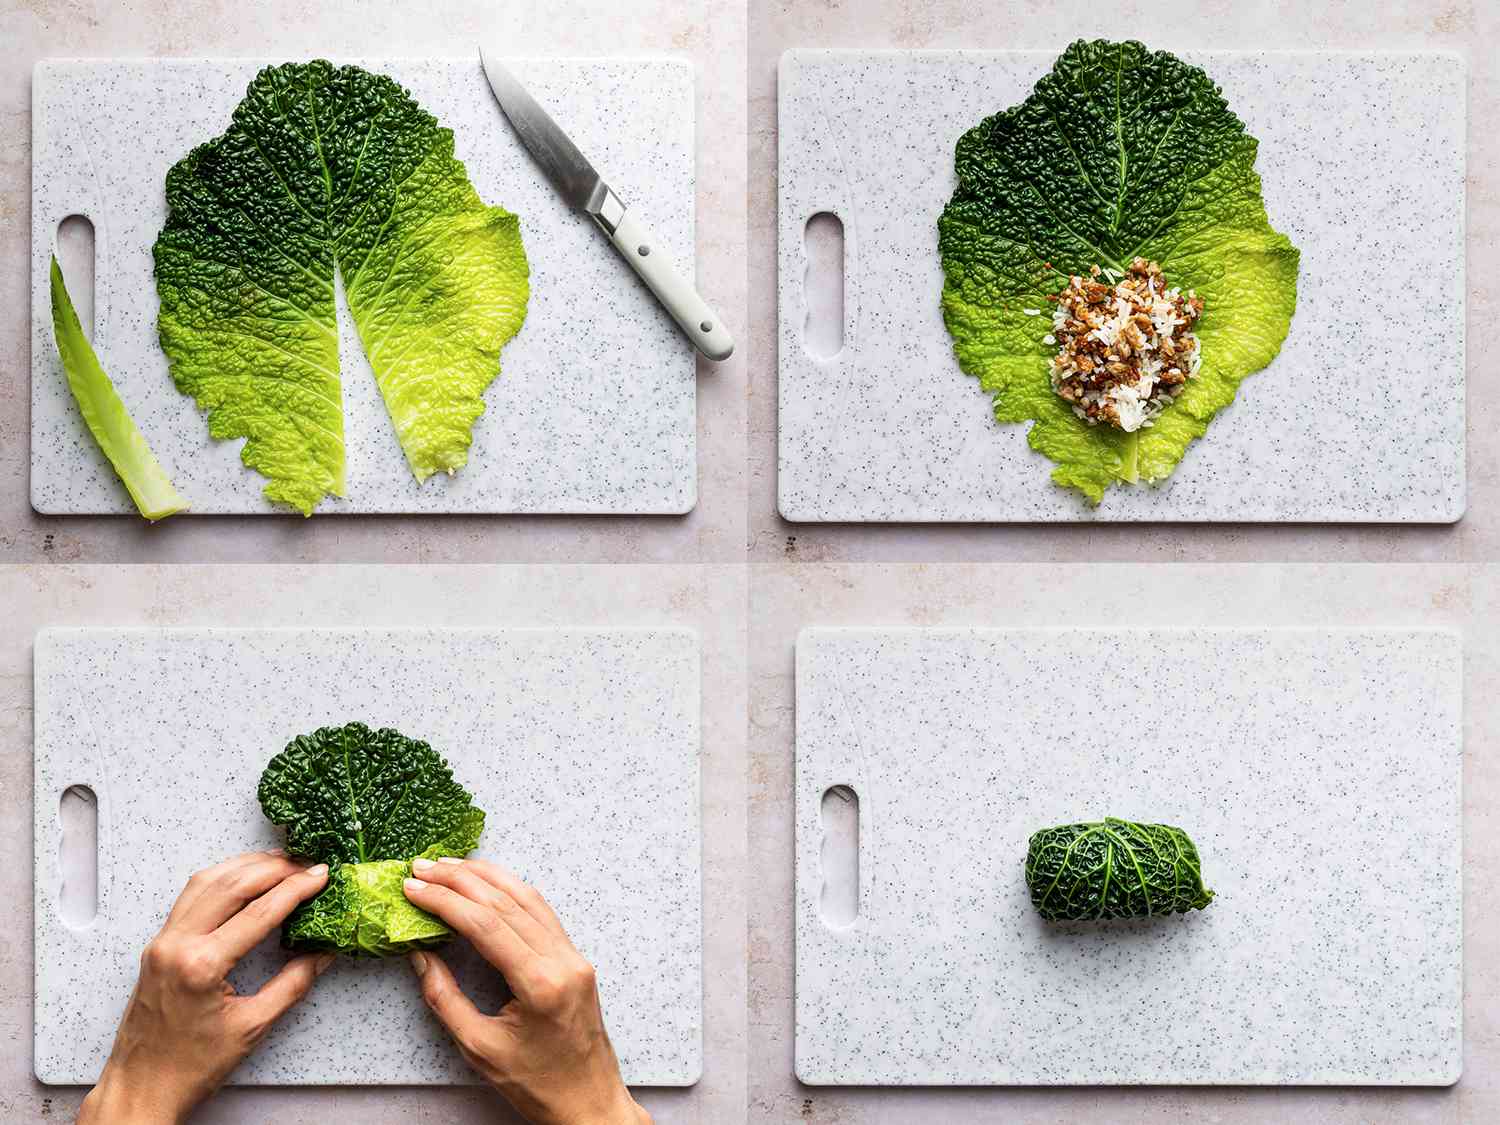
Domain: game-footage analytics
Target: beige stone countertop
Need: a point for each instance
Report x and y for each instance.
(786, 598)
(1467, 27)
(710, 33)
(709, 599)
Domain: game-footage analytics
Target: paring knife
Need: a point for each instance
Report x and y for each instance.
(583, 188)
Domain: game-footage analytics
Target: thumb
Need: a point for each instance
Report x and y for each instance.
(453, 1009)
(285, 989)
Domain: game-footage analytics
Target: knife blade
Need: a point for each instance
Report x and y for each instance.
(585, 190)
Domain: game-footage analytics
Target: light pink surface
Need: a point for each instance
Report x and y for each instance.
(786, 598)
(710, 599)
(710, 33)
(776, 25)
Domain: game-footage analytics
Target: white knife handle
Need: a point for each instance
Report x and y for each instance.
(648, 257)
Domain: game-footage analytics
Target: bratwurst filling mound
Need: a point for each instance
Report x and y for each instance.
(1125, 346)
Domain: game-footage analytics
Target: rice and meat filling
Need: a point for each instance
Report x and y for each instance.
(1125, 346)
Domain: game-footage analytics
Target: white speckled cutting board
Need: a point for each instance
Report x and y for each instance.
(594, 410)
(1361, 416)
(1318, 772)
(580, 745)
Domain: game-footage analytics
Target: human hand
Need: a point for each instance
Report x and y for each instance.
(185, 1028)
(546, 1050)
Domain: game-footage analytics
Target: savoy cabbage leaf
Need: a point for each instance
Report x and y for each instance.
(326, 168)
(1113, 869)
(1119, 152)
(366, 802)
(364, 911)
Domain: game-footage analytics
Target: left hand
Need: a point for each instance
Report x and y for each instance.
(185, 1027)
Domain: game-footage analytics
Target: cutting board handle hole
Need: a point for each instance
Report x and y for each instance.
(823, 288)
(78, 859)
(75, 254)
(839, 904)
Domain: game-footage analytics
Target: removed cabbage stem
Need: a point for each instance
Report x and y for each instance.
(107, 418)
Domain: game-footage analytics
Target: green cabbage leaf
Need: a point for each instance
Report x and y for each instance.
(1113, 869)
(326, 169)
(1119, 152)
(366, 802)
(104, 413)
(363, 911)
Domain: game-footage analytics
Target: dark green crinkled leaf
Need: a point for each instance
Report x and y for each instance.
(1119, 152)
(366, 802)
(351, 794)
(327, 166)
(1113, 869)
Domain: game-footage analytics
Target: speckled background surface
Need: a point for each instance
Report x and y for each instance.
(708, 600)
(590, 796)
(1361, 160)
(1325, 811)
(713, 34)
(710, 34)
(786, 599)
(593, 408)
(1463, 26)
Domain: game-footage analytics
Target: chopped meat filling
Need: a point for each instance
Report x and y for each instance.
(1125, 346)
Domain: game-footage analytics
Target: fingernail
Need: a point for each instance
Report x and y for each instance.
(414, 885)
(419, 964)
(318, 869)
(276, 851)
(322, 963)
(421, 864)
(450, 859)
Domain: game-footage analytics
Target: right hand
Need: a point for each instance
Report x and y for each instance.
(546, 1050)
